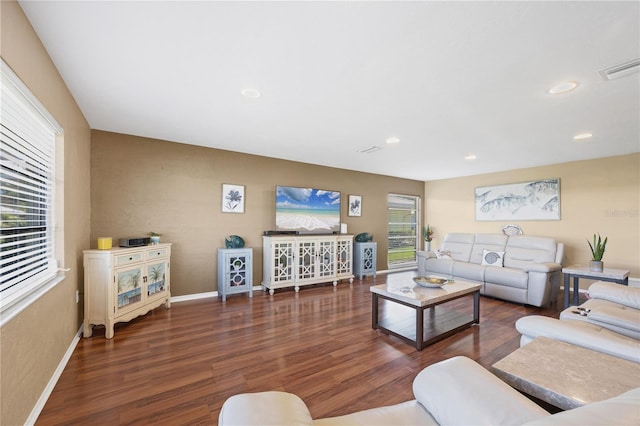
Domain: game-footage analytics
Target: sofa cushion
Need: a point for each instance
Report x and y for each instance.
(442, 387)
(459, 245)
(584, 334)
(491, 242)
(439, 266)
(492, 258)
(522, 250)
(622, 294)
(619, 318)
(509, 277)
(468, 271)
(406, 413)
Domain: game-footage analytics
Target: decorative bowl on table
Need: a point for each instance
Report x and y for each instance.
(430, 282)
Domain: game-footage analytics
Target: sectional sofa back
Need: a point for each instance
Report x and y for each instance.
(489, 242)
(522, 250)
(459, 245)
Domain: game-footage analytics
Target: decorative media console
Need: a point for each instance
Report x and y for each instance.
(297, 260)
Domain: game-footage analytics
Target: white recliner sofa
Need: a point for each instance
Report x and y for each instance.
(608, 322)
(519, 268)
(457, 391)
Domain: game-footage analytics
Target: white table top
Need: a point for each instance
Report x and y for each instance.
(409, 292)
(617, 274)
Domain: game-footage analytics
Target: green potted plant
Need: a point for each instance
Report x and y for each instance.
(155, 237)
(597, 252)
(427, 234)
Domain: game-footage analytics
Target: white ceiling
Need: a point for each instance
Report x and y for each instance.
(447, 78)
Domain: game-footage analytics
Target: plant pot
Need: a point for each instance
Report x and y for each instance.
(427, 245)
(155, 240)
(596, 266)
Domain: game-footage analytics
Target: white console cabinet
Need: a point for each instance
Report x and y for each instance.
(123, 283)
(297, 260)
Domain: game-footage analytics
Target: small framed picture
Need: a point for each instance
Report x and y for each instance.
(232, 198)
(355, 205)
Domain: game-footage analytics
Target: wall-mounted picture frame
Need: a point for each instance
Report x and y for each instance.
(232, 198)
(532, 200)
(355, 205)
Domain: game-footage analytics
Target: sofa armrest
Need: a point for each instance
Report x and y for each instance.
(542, 267)
(460, 391)
(264, 408)
(616, 293)
(619, 410)
(426, 254)
(579, 333)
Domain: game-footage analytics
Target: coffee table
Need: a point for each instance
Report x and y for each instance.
(619, 276)
(564, 375)
(440, 323)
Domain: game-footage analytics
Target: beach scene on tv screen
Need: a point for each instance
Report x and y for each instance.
(307, 210)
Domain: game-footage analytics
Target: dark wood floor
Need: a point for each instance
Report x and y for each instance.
(178, 365)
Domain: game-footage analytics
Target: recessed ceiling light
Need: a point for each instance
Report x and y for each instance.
(250, 93)
(470, 157)
(563, 87)
(393, 140)
(582, 136)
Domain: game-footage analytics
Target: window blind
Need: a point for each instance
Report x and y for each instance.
(402, 222)
(27, 188)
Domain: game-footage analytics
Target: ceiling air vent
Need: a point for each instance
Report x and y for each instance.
(620, 70)
(369, 149)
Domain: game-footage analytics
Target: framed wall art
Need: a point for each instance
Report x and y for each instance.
(355, 205)
(232, 198)
(534, 200)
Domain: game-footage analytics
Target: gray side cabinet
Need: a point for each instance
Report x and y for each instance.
(364, 259)
(235, 272)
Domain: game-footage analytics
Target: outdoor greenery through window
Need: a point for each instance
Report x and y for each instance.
(403, 214)
(27, 187)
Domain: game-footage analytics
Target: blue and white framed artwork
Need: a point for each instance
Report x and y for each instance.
(534, 200)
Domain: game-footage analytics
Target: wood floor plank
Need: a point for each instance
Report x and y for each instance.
(178, 365)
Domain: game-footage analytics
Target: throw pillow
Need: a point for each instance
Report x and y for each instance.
(443, 254)
(492, 258)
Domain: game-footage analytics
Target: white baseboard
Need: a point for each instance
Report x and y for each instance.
(46, 393)
(196, 296)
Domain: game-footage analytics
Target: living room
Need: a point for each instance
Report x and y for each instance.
(597, 195)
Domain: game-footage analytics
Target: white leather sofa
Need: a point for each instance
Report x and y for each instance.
(608, 322)
(529, 271)
(457, 391)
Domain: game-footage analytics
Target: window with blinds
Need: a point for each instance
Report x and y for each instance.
(402, 234)
(27, 189)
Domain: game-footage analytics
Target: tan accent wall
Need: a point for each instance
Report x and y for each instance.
(140, 185)
(600, 195)
(33, 343)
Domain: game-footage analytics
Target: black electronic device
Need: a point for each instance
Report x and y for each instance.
(134, 242)
(281, 232)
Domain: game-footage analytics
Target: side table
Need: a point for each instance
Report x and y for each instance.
(364, 259)
(235, 271)
(619, 276)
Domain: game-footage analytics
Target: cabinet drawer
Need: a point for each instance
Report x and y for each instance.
(161, 252)
(126, 259)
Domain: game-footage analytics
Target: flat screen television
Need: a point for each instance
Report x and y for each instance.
(307, 210)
